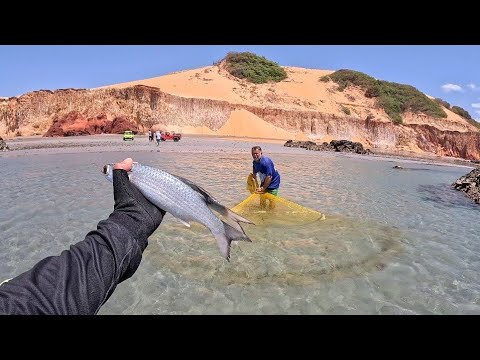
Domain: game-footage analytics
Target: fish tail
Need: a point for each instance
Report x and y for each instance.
(230, 234)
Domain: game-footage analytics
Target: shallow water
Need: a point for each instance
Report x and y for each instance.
(394, 241)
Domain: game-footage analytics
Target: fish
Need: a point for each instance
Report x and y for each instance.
(187, 202)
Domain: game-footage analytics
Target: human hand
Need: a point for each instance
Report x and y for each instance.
(143, 216)
(125, 165)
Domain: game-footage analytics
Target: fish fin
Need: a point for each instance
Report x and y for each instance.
(223, 244)
(209, 199)
(224, 239)
(214, 204)
(195, 187)
(223, 210)
(233, 234)
(183, 222)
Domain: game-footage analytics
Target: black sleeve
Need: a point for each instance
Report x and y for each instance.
(81, 279)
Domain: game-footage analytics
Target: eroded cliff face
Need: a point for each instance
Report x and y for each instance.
(34, 112)
(146, 107)
(449, 143)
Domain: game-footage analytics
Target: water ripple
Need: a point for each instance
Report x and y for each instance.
(394, 241)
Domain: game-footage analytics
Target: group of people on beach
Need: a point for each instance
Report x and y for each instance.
(81, 279)
(154, 134)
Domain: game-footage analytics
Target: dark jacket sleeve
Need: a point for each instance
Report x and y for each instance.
(81, 279)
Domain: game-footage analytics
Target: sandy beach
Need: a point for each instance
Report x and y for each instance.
(33, 145)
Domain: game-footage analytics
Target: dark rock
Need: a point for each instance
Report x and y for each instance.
(3, 145)
(470, 185)
(335, 145)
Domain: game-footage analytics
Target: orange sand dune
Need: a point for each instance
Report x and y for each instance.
(243, 123)
(301, 91)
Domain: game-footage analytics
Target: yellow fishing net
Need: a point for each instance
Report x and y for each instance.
(268, 209)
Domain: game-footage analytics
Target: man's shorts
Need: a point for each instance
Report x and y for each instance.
(272, 191)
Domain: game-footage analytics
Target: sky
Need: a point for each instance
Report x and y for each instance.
(449, 72)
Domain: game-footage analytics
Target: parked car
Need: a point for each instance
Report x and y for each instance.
(170, 135)
(128, 135)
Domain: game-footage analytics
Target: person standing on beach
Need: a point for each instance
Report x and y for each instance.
(150, 136)
(158, 137)
(268, 174)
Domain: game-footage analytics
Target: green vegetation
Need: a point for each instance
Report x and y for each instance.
(464, 113)
(254, 68)
(442, 102)
(459, 111)
(344, 78)
(394, 98)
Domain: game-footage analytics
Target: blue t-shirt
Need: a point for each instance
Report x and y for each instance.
(266, 167)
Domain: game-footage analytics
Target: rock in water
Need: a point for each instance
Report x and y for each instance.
(3, 145)
(470, 185)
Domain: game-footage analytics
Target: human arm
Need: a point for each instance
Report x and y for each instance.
(268, 169)
(265, 184)
(81, 279)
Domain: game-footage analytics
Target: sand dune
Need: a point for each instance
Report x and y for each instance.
(243, 123)
(301, 91)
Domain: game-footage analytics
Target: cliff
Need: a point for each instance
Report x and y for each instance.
(210, 101)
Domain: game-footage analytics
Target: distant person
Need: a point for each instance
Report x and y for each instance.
(265, 171)
(158, 137)
(150, 135)
(81, 279)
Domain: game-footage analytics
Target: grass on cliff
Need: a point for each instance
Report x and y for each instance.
(459, 111)
(254, 68)
(394, 98)
(465, 114)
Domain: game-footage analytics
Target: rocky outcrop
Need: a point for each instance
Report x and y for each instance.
(334, 145)
(80, 111)
(74, 124)
(143, 105)
(449, 143)
(3, 145)
(470, 185)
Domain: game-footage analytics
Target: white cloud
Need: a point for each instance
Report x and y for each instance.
(476, 106)
(451, 87)
(472, 86)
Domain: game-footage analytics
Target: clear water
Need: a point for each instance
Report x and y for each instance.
(395, 241)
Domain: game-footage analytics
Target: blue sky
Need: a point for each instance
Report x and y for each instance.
(450, 72)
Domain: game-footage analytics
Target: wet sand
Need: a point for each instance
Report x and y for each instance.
(32, 145)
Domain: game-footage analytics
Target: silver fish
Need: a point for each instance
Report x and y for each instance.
(187, 202)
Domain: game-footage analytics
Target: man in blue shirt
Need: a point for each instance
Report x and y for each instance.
(269, 176)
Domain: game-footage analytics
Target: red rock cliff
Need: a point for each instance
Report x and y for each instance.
(141, 107)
